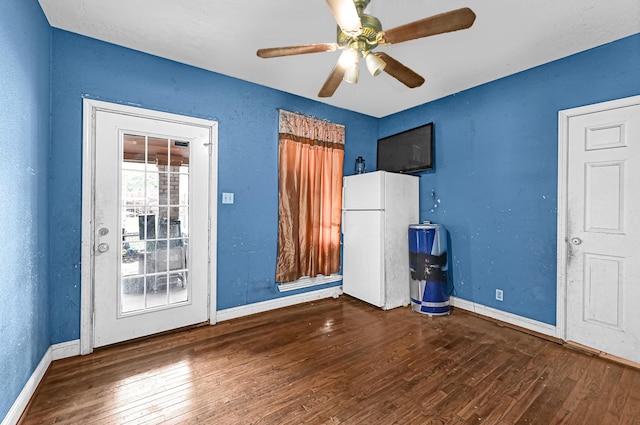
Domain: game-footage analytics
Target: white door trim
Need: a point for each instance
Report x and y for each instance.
(563, 157)
(90, 107)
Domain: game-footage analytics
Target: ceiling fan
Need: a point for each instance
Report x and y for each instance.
(359, 34)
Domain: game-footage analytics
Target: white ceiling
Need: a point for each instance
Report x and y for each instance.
(508, 36)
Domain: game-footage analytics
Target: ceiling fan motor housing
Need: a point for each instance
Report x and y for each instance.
(366, 41)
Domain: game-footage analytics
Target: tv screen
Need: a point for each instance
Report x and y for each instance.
(407, 152)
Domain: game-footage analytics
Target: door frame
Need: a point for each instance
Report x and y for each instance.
(563, 178)
(89, 109)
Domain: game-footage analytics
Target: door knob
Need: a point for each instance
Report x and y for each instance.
(576, 241)
(103, 232)
(103, 247)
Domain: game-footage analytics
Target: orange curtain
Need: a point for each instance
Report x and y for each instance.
(311, 155)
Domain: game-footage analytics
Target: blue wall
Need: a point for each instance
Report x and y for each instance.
(25, 39)
(495, 182)
(248, 125)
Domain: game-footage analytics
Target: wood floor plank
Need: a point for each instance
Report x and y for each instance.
(630, 411)
(338, 362)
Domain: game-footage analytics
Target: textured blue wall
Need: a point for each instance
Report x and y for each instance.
(25, 39)
(248, 126)
(495, 182)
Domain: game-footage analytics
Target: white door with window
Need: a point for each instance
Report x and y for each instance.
(600, 247)
(150, 241)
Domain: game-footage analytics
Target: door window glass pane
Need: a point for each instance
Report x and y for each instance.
(154, 220)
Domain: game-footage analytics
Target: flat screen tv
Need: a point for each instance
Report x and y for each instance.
(407, 152)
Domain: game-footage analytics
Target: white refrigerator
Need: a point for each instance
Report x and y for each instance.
(377, 209)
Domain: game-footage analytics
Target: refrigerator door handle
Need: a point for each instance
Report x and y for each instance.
(342, 223)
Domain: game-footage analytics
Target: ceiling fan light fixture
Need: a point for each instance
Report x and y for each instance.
(348, 60)
(348, 57)
(375, 65)
(351, 74)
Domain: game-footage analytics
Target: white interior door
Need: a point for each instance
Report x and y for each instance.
(151, 212)
(362, 269)
(603, 231)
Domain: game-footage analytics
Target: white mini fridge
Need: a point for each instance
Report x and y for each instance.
(377, 209)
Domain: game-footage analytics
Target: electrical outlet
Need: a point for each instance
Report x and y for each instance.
(499, 295)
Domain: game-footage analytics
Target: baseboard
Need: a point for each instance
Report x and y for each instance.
(246, 310)
(503, 316)
(65, 349)
(16, 410)
(55, 352)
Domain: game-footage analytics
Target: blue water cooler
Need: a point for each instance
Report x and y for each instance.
(428, 266)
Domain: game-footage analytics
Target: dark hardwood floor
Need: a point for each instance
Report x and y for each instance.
(339, 362)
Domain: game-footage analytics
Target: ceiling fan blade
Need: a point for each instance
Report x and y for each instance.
(454, 20)
(335, 78)
(346, 15)
(274, 52)
(400, 72)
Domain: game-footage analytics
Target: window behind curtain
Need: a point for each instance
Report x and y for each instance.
(311, 156)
